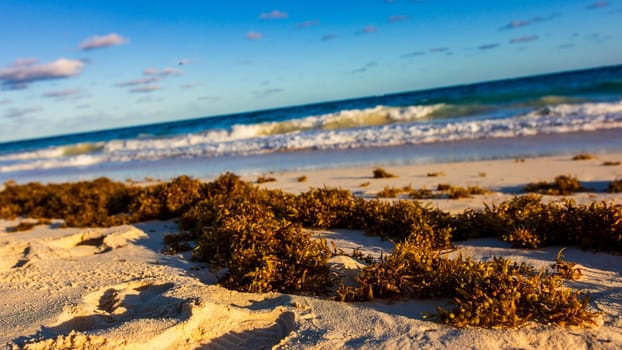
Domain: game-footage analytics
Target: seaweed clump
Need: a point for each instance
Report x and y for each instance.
(84, 204)
(380, 173)
(264, 179)
(583, 156)
(248, 231)
(615, 186)
(392, 192)
(484, 294)
(27, 225)
(261, 252)
(447, 191)
(527, 222)
(562, 185)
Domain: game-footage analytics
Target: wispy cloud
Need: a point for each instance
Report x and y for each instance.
(164, 72)
(152, 76)
(368, 30)
(253, 35)
(276, 14)
(598, 5)
(413, 54)
(524, 39)
(23, 72)
(518, 23)
(439, 49)
(168, 71)
(567, 46)
(64, 94)
(150, 71)
(98, 42)
(5, 101)
(488, 46)
(365, 68)
(267, 92)
(83, 106)
(145, 89)
(137, 82)
(183, 61)
(17, 113)
(329, 36)
(307, 24)
(398, 18)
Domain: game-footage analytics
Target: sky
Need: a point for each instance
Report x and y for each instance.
(73, 65)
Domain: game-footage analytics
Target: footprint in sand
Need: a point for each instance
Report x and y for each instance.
(103, 317)
(255, 334)
(14, 256)
(116, 305)
(95, 241)
(24, 260)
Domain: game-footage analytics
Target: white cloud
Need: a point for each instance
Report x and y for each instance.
(97, 42)
(21, 72)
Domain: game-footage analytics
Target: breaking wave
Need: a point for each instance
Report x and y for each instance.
(372, 127)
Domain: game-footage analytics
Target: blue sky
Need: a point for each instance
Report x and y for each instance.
(74, 65)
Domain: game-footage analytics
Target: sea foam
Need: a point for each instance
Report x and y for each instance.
(372, 127)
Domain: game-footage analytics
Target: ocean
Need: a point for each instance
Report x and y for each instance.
(562, 113)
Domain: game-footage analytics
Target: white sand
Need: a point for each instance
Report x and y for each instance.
(119, 291)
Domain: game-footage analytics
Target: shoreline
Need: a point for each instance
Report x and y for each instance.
(598, 142)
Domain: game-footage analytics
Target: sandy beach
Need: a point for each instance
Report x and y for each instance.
(113, 288)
